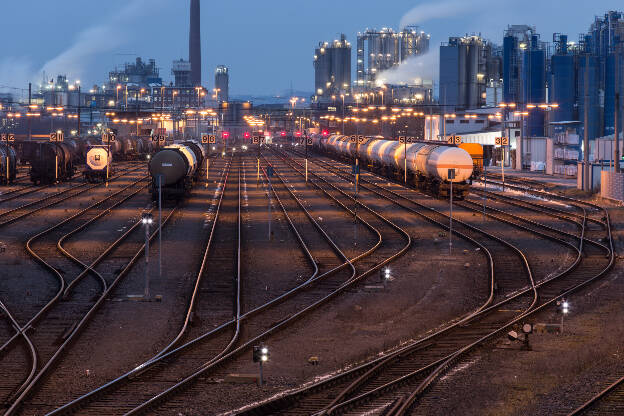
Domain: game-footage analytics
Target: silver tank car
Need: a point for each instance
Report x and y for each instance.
(427, 164)
(99, 164)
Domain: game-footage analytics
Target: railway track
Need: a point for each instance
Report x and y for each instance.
(610, 401)
(19, 192)
(374, 397)
(14, 214)
(56, 324)
(243, 345)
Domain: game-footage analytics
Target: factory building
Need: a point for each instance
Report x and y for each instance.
(138, 74)
(332, 68)
(181, 71)
(222, 83)
(380, 50)
(562, 79)
(517, 38)
(468, 65)
(534, 84)
(604, 41)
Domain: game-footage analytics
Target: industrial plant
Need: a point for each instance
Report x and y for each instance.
(432, 225)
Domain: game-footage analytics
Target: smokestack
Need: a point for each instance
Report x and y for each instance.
(195, 44)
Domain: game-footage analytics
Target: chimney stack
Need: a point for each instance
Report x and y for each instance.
(195, 44)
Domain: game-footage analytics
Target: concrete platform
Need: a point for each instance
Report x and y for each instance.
(549, 180)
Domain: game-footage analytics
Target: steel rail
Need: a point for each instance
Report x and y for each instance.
(89, 315)
(156, 399)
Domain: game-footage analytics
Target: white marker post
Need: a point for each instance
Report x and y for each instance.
(451, 177)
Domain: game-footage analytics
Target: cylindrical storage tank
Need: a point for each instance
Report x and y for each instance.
(171, 164)
(138, 143)
(98, 158)
(562, 87)
(534, 74)
(65, 154)
(7, 154)
(198, 150)
(148, 146)
(443, 158)
(593, 129)
(609, 93)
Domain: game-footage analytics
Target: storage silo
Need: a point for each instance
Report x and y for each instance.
(562, 81)
(534, 83)
(594, 119)
(610, 88)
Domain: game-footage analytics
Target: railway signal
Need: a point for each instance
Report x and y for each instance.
(147, 220)
(260, 355)
(563, 307)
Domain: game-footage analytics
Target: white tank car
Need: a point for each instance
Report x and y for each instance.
(189, 155)
(99, 162)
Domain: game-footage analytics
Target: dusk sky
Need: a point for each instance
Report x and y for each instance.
(267, 44)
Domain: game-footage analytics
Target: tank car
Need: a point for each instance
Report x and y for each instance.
(427, 164)
(175, 166)
(99, 164)
(49, 162)
(200, 154)
(8, 164)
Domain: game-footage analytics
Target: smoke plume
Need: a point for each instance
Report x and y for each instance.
(96, 40)
(435, 10)
(413, 70)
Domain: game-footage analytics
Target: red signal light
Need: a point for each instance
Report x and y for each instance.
(247, 135)
(298, 134)
(325, 133)
(283, 134)
(225, 134)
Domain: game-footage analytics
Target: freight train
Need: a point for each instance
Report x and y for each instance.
(52, 162)
(8, 164)
(49, 162)
(175, 168)
(428, 165)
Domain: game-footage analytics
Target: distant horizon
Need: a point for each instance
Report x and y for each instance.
(266, 48)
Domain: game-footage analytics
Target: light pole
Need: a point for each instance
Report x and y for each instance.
(78, 120)
(343, 113)
(147, 221)
(173, 110)
(117, 96)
